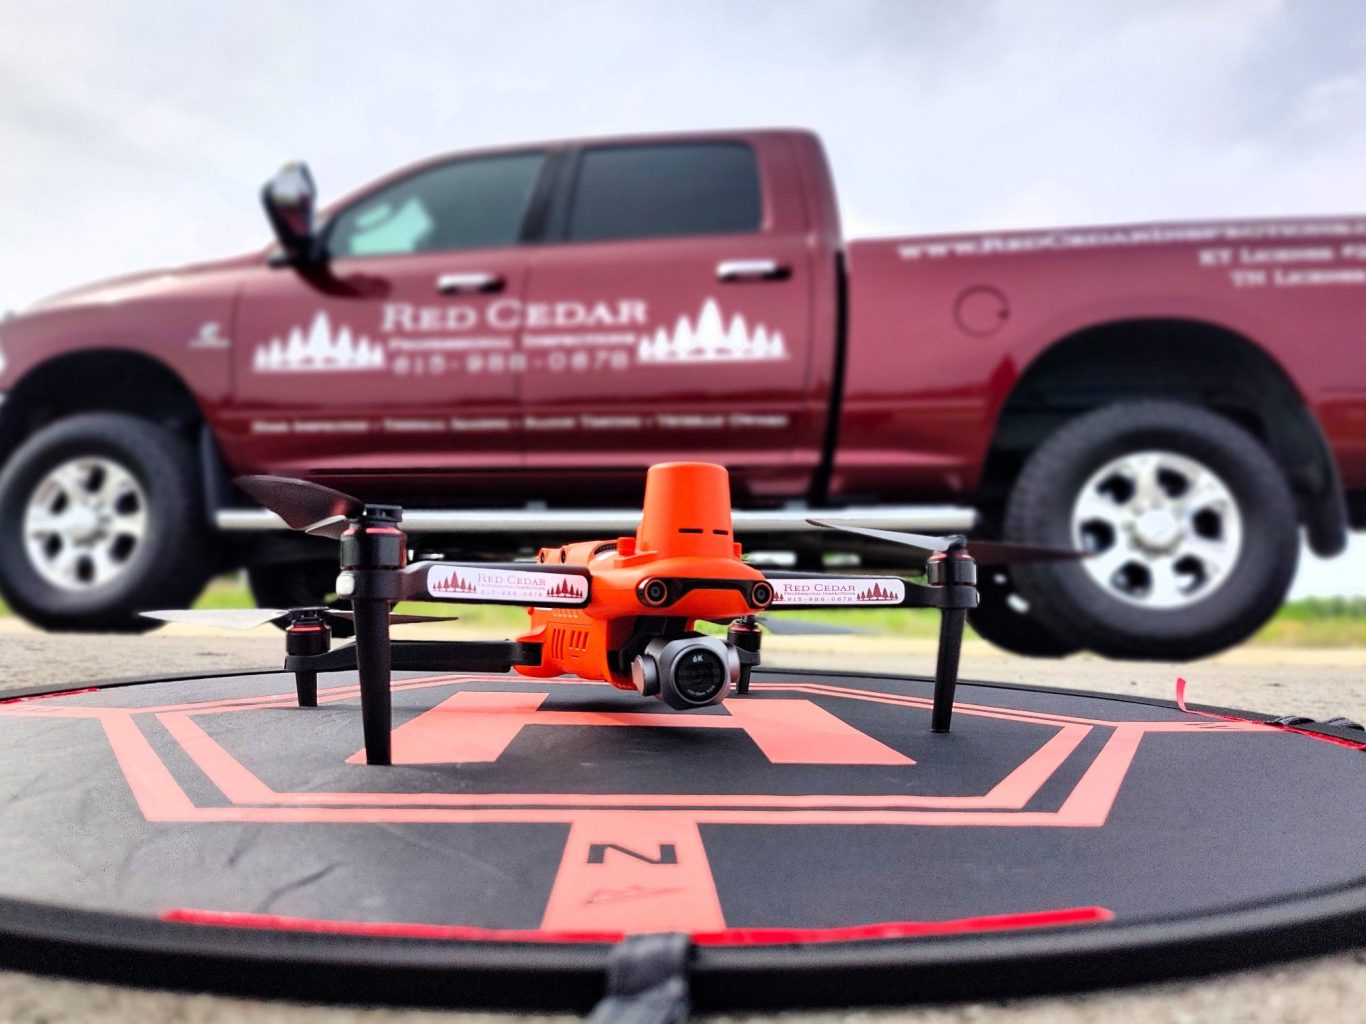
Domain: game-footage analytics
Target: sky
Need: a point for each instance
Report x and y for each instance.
(137, 133)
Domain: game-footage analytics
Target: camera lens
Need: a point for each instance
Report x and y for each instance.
(686, 672)
(699, 675)
(653, 593)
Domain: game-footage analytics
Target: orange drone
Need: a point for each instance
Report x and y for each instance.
(622, 611)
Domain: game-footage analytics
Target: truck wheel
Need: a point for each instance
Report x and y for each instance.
(101, 516)
(1191, 525)
(293, 584)
(1002, 617)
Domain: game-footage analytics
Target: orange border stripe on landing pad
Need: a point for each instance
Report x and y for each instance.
(725, 937)
(241, 786)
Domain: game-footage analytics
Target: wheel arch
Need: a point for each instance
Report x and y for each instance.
(1186, 359)
(98, 380)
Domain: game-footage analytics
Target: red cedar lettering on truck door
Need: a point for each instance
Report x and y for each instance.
(668, 313)
(417, 367)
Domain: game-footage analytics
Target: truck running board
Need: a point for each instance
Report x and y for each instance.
(618, 522)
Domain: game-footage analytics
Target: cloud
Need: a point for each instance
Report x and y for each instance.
(139, 134)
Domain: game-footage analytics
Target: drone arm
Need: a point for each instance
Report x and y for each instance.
(464, 655)
(945, 597)
(429, 656)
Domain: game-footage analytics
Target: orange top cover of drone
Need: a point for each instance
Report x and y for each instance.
(685, 534)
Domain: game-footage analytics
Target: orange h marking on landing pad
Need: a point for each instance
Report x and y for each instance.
(474, 726)
(643, 868)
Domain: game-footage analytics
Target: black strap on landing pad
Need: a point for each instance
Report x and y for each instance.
(647, 981)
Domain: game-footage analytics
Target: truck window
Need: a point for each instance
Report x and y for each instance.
(662, 190)
(468, 204)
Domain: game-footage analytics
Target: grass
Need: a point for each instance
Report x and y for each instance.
(225, 592)
(1317, 622)
(1308, 622)
(228, 592)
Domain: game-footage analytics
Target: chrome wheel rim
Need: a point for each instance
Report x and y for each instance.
(84, 523)
(1164, 529)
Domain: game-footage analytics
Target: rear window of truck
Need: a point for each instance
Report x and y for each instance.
(664, 190)
(467, 204)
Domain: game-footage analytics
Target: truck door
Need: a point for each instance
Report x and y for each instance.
(407, 358)
(667, 316)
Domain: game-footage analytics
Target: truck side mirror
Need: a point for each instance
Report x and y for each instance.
(289, 200)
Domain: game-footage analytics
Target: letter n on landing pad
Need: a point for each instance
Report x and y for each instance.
(478, 726)
(634, 872)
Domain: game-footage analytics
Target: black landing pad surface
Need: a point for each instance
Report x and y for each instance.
(813, 839)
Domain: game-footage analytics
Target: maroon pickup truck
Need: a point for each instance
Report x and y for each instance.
(504, 339)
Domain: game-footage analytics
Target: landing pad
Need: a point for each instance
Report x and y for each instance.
(815, 840)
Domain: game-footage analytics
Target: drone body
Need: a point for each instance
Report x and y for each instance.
(682, 565)
(621, 611)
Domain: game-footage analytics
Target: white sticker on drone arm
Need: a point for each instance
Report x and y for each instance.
(473, 583)
(839, 590)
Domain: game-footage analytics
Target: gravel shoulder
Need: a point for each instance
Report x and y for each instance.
(1315, 682)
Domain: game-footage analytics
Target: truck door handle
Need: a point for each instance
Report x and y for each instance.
(751, 270)
(472, 281)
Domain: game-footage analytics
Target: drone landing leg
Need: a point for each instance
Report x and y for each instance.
(946, 668)
(306, 685)
(307, 635)
(372, 664)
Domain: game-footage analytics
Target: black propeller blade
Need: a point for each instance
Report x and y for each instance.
(305, 506)
(984, 552)
(249, 618)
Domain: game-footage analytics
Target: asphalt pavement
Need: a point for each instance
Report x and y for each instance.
(1317, 683)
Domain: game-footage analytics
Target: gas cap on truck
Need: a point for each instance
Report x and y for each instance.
(981, 311)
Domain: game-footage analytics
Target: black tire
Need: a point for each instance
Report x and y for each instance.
(1074, 605)
(1000, 619)
(293, 584)
(166, 568)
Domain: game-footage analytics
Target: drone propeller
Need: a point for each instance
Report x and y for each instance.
(305, 506)
(249, 618)
(983, 552)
